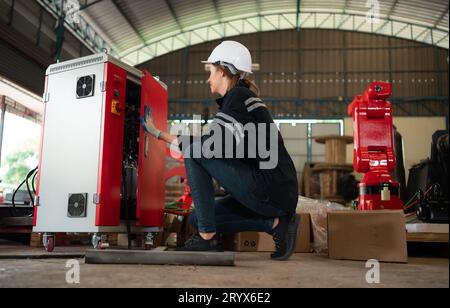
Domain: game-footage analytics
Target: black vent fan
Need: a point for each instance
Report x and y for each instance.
(85, 86)
(77, 205)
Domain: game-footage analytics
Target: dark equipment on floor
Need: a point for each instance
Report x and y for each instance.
(433, 208)
(428, 182)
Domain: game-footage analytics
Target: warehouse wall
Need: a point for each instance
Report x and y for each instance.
(316, 64)
(416, 133)
(322, 64)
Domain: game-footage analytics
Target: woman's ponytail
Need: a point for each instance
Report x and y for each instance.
(234, 80)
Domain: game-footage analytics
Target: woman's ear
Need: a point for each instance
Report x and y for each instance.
(222, 72)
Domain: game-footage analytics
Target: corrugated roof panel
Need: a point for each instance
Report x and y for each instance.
(154, 21)
(311, 5)
(235, 8)
(151, 18)
(190, 13)
(285, 6)
(114, 25)
(444, 22)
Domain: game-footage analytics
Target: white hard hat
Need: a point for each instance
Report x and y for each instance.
(234, 53)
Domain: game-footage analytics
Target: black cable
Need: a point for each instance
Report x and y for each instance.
(28, 185)
(126, 204)
(34, 180)
(14, 212)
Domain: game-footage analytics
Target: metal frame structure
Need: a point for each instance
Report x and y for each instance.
(326, 108)
(82, 29)
(273, 22)
(190, 29)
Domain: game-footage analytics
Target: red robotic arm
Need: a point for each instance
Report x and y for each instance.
(374, 148)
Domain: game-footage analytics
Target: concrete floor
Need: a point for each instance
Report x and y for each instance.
(252, 270)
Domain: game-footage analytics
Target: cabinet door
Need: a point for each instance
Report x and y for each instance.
(152, 156)
(111, 146)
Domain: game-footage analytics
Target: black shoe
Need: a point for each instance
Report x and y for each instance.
(285, 237)
(197, 243)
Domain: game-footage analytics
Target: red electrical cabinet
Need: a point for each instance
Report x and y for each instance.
(99, 172)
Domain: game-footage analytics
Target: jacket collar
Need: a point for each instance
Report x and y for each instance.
(220, 100)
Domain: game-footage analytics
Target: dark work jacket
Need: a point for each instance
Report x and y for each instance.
(241, 106)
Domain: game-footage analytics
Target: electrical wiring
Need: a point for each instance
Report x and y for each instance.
(411, 205)
(178, 208)
(413, 197)
(14, 208)
(14, 195)
(33, 181)
(127, 208)
(32, 172)
(408, 206)
(412, 216)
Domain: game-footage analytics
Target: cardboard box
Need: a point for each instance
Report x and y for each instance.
(263, 242)
(358, 235)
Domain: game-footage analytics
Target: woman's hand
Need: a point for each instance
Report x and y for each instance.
(148, 124)
(149, 127)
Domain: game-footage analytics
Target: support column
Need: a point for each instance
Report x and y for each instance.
(2, 124)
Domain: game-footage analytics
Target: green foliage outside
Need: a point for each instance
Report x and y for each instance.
(18, 163)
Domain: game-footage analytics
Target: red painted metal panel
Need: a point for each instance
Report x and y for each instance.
(111, 154)
(152, 157)
(40, 155)
(374, 203)
(373, 133)
(374, 146)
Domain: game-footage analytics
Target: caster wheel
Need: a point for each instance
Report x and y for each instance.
(99, 242)
(149, 241)
(49, 243)
(96, 242)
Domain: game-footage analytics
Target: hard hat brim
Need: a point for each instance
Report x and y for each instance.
(209, 62)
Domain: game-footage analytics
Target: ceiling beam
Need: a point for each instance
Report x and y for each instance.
(216, 8)
(258, 6)
(174, 15)
(219, 17)
(357, 26)
(391, 10)
(345, 6)
(86, 34)
(87, 5)
(343, 21)
(324, 20)
(441, 17)
(129, 21)
(177, 21)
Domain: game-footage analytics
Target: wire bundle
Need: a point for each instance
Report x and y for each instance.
(412, 205)
(32, 174)
(178, 208)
